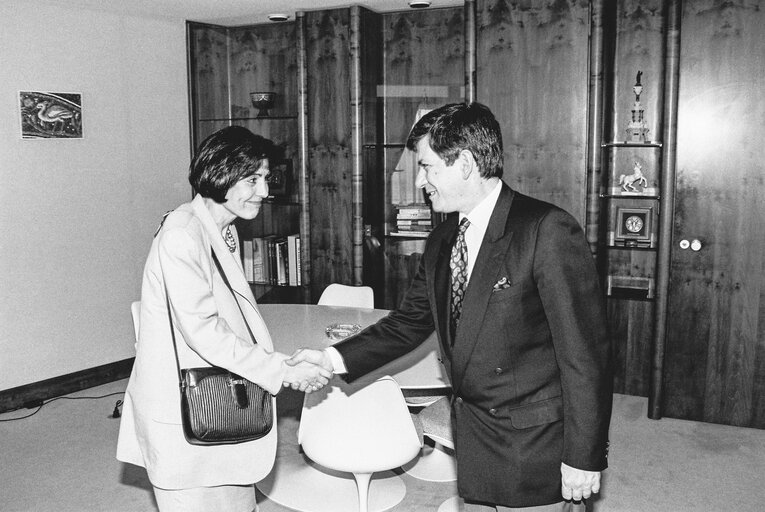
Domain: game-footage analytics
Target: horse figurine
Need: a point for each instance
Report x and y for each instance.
(628, 181)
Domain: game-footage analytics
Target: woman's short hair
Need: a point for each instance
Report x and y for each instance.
(462, 126)
(224, 158)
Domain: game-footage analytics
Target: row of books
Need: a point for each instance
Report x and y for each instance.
(415, 220)
(273, 260)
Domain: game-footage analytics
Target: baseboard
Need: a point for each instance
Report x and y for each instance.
(32, 395)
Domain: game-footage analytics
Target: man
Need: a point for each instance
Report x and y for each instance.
(520, 321)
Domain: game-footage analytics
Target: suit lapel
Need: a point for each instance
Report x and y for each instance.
(488, 266)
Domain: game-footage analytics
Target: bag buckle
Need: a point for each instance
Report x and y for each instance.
(238, 391)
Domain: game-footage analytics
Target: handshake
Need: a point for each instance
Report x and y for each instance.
(307, 370)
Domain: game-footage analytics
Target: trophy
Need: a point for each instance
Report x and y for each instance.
(637, 129)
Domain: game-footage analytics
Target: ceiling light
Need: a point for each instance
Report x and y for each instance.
(278, 17)
(419, 4)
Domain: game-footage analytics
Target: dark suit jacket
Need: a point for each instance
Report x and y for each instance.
(530, 363)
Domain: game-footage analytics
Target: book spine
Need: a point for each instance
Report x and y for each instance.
(258, 261)
(247, 261)
(292, 259)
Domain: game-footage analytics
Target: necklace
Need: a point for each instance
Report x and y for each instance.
(229, 239)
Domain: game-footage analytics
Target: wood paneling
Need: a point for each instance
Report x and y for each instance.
(329, 147)
(532, 73)
(715, 348)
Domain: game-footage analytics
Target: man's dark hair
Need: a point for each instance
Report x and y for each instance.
(224, 158)
(462, 126)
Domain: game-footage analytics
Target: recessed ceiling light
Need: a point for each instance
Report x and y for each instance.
(419, 4)
(278, 17)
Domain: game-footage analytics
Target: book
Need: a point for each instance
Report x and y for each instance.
(299, 262)
(258, 261)
(280, 254)
(247, 260)
(292, 257)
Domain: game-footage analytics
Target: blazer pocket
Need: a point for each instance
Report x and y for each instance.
(537, 413)
(505, 294)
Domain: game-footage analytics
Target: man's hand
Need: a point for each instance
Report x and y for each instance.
(578, 483)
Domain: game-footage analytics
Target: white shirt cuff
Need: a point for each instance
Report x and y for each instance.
(338, 365)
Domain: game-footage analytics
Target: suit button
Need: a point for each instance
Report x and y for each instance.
(493, 412)
(498, 371)
(458, 400)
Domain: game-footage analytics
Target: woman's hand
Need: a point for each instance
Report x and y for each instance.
(306, 376)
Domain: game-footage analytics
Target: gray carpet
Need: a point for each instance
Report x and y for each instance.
(62, 459)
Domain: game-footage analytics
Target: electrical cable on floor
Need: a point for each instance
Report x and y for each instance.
(115, 414)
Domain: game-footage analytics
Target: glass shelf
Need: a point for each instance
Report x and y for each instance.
(391, 145)
(261, 118)
(629, 196)
(625, 144)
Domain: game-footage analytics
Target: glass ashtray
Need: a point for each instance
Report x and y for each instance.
(337, 332)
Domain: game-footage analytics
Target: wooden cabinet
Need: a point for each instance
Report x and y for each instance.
(226, 64)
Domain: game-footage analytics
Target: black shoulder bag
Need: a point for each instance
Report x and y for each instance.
(218, 406)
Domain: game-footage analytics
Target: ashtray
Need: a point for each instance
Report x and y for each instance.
(337, 332)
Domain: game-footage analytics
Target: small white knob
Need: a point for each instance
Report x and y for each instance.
(684, 244)
(696, 245)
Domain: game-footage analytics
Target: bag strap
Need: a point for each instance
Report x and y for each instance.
(170, 316)
(225, 280)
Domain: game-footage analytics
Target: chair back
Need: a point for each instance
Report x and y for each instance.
(135, 311)
(343, 295)
(358, 428)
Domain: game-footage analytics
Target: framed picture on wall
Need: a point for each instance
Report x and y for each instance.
(279, 177)
(50, 115)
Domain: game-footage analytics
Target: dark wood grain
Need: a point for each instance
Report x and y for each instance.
(329, 147)
(715, 348)
(532, 72)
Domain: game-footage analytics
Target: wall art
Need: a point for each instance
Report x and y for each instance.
(50, 115)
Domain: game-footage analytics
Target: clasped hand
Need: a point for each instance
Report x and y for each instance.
(307, 370)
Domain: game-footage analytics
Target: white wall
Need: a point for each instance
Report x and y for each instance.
(77, 216)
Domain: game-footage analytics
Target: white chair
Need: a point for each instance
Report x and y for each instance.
(436, 464)
(358, 430)
(135, 311)
(343, 295)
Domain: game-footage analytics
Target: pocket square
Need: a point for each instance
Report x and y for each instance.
(501, 284)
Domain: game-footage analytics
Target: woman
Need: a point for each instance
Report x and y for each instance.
(229, 175)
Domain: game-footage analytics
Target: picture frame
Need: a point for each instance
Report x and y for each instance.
(50, 115)
(280, 177)
(634, 226)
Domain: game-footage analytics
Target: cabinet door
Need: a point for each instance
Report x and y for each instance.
(715, 352)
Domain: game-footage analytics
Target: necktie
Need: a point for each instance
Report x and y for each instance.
(458, 265)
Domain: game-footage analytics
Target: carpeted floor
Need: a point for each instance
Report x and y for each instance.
(62, 459)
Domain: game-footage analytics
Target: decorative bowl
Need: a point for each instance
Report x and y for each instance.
(337, 332)
(262, 101)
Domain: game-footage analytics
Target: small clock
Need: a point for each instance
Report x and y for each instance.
(633, 227)
(634, 223)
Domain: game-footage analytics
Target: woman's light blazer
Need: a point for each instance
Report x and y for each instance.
(209, 330)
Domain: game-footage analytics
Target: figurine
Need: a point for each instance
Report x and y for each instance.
(628, 181)
(637, 129)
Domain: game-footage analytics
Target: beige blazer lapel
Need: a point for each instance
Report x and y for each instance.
(233, 268)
